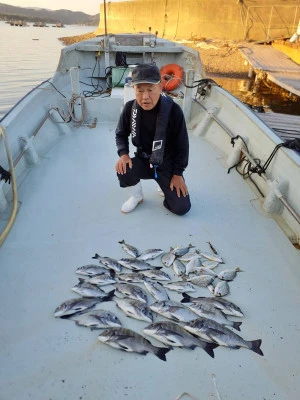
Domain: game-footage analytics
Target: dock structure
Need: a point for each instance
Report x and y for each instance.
(285, 125)
(268, 63)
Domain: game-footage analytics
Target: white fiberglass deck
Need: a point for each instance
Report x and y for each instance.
(69, 209)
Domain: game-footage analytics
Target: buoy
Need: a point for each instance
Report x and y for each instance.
(171, 76)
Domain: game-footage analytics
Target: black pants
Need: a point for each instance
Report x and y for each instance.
(141, 170)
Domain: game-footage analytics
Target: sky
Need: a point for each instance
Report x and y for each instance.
(90, 7)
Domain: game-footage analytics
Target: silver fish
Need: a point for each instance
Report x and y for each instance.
(168, 258)
(212, 247)
(221, 289)
(128, 340)
(201, 280)
(181, 251)
(211, 331)
(178, 267)
(156, 274)
(134, 309)
(131, 250)
(189, 256)
(174, 335)
(209, 264)
(229, 274)
(96, 319)
(150, 254)
(180, 286)
(192, 265)
(227, 307)
(135, 264)
(77, 305)
(132, 291)
(205, 271)
(86, 289)
(109, 262)
(211, 288)
(156, 290)
(90, 270)
(212, 257)
(211, 312)
(173, 310)
(102, 279)
(132, 277)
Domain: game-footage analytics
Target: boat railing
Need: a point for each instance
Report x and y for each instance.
(28, 150)
(13, 214)
(274, 186)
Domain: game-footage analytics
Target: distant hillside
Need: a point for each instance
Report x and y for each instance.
(67, 17)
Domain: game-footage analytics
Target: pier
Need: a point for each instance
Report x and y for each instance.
(267, 63)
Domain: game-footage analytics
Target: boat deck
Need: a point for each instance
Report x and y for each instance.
(70, 209)
(279, 68)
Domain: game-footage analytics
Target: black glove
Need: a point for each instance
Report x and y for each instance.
(5, 175)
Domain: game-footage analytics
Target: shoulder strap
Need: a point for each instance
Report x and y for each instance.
(158, 146)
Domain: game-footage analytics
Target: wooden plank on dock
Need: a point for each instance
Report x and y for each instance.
(279, 68)
(285, 125)
(266, 58)
(287, 81)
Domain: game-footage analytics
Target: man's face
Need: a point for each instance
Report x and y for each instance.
(147, 95)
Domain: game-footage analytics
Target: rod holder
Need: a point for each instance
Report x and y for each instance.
(31, 155)
(273, 203)
(203, 125)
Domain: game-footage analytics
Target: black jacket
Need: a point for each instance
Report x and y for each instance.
(177, 143)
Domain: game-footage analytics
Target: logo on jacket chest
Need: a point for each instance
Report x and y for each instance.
(133, 123)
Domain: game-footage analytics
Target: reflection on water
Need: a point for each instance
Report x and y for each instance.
(28, 56)
(269, 95)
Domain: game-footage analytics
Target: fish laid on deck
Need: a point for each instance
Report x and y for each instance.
(77, 305)
(96, 319)
(128, 340)
(172, 334)
(211, 331)
(131, 250)
(132, 291)
(135, 309)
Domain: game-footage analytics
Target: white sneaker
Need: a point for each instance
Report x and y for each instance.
(160, 192)
(134, 200)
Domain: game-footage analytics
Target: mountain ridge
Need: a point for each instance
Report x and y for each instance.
(8, 12)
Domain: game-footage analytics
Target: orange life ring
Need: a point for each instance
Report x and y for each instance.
(171, 76)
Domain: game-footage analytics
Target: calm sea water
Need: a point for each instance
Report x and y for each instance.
(30, 55)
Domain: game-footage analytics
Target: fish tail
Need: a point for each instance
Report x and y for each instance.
(68, 316)
(122, 241)
(209, 348)
(236, 325)
(109, 296)
(161, 352)
(112, 272)
(255, 346)
(96, 256)
(186, 298)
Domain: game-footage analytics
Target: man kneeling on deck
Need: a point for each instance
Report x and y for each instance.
(158, 130)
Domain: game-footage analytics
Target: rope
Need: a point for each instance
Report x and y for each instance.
(13, 215)
(259, 169)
